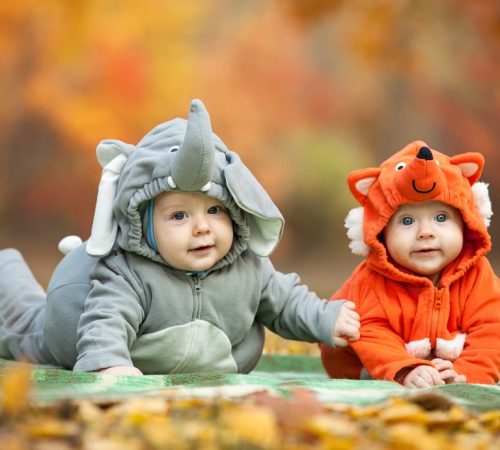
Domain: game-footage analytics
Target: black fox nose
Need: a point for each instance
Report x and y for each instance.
(425, 153)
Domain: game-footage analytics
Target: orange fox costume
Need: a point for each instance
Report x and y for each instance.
(405, 319)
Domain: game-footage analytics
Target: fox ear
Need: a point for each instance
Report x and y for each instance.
(360, 182)
(471, 164)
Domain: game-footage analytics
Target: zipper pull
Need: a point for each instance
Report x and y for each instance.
(197, 284)
(439, 297)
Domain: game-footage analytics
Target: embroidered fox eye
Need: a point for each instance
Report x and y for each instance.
(173, 149)
(400, 166)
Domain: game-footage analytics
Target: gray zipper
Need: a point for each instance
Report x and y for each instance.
(197, 298)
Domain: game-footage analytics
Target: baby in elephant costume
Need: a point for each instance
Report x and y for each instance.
(175, 276)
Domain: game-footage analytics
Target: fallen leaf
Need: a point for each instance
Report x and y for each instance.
(15, 385)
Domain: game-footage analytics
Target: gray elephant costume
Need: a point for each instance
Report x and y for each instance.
(115, 301)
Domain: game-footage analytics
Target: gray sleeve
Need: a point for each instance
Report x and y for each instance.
(111, 319)
(292, 311)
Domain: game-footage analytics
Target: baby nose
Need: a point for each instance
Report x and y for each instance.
(201, 225)
(426, 231)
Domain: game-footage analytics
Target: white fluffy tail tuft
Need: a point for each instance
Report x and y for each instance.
(69, 243)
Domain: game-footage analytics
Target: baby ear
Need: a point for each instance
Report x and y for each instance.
(360, 182)
(471, 164)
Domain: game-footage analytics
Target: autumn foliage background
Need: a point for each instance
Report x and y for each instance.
(304, 91)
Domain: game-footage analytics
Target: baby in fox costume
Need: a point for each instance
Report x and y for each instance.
(428, 298)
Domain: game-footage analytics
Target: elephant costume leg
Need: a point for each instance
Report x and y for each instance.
(39, 327)
(22, 310)
(66, 294)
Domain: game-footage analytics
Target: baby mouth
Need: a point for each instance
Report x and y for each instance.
(201, 248)
(426, 251)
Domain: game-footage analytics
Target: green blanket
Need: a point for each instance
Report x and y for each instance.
(277, 374)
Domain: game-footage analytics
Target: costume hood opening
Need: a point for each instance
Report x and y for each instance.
(178, 155)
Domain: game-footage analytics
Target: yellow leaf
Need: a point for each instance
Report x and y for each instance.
(455, 416)
(334, 432)
(411, 436)
(253, 424)
(15, 386)
(51, 428)
(402, 411)
(491, 420)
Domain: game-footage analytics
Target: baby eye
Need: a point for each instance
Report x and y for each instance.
(441, 217)
(178, 216)
(400, 166)
(214, 209)
(173, 149)
(407, 220)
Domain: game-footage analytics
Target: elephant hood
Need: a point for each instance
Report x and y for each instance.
(184, 156)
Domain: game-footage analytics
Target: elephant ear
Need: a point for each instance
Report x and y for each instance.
(112, 156)
(264, 218)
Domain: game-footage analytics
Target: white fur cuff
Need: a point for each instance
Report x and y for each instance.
(450, 349)
(419, 349)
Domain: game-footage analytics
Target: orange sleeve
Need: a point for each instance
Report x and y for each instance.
(480, 359)
(380, 348)
(342, 362)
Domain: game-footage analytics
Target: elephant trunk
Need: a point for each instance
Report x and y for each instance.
(194, 162)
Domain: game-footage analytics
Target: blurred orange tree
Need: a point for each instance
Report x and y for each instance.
(305, 91)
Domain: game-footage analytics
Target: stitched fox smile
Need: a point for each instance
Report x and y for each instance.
(414, 184)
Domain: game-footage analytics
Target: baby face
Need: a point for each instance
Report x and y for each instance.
(192, 231)
(424, 237)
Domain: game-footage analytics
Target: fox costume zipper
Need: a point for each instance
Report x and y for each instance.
(436, 310)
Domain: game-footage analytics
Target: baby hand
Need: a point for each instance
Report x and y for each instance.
(446, 371)
(121, 370)
(423, 376)
(347, 325)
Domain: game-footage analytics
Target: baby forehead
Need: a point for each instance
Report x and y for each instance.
(428, 206)
(176, 198)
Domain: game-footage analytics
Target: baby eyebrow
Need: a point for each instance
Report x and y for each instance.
(218, 205)
(173, 207)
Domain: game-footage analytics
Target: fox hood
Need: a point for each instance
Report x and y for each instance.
(405, 319)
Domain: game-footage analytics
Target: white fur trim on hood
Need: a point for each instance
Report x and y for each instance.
(482, 201)
(354, 225)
